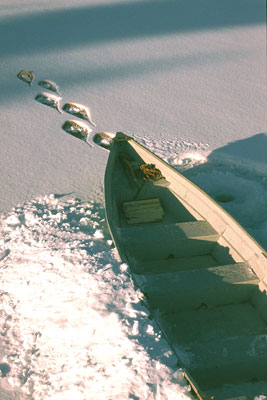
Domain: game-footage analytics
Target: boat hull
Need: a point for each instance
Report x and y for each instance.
(203, 276)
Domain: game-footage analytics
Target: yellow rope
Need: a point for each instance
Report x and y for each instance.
(151, 172)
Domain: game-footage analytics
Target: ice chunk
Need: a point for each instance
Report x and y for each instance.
(150, 330)
(123, 267)
(135, 328)
(13, 220)
(84, 221)
(98, 234)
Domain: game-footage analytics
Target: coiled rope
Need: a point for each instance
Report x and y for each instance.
(151, 172)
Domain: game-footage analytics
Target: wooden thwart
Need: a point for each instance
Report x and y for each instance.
(143, 211)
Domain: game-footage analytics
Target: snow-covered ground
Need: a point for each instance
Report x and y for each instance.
(185, 78)
(73, 326)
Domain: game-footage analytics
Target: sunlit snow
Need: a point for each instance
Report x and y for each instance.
(72, 323)
(188, 82)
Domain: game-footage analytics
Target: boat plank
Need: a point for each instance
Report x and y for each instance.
(161, 241)
(172, 264)
(191, 289)
(213, 365)
(211, 323)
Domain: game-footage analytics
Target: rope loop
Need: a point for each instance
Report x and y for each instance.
(151, 172)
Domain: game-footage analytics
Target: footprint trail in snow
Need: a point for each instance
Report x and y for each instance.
(76, 128)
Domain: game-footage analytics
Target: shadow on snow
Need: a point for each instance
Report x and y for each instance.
(54, 30)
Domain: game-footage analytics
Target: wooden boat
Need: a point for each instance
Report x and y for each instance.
(203, 276)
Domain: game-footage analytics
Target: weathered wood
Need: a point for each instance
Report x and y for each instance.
(142, 211)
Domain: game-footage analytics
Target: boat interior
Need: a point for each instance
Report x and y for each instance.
(208, 300)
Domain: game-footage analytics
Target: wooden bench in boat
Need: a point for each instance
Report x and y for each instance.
(218, 341)
(207, 315)
(173, 264)
(246, 355)
(161, 241)
(143, 211)
(188, 290)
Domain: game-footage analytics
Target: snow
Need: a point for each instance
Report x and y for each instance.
(186, 79)
(72, 323)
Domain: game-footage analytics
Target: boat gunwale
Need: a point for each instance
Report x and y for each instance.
(206, 195)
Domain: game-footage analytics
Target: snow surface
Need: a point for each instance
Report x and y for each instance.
(186, 79)
(73, 325)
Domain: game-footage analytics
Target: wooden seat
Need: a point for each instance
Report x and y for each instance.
(190, 289)
(161, 241)
(143, 211)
